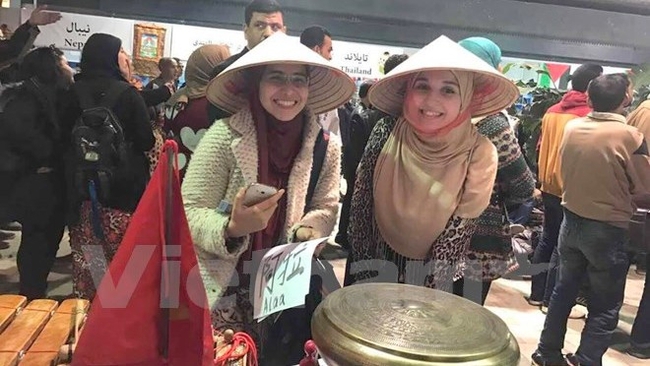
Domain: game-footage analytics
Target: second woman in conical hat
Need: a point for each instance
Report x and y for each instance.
(426, 173)
(275, 92)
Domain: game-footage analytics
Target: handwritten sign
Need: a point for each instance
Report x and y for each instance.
(282, 279)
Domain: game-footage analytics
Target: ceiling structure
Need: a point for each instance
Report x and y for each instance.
(611, 32)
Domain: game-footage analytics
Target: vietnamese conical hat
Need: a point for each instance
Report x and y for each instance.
(492, 90)
(329, 87)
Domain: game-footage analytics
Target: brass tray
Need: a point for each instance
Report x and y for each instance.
(395, 324)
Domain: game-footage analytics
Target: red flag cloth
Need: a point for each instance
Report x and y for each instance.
(557, 70)
(151, 307)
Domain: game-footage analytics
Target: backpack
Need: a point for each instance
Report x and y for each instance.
(99, 149)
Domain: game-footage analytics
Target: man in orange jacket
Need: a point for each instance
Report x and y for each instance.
(573, 105)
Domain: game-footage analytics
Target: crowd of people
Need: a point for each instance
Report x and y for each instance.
(430, 156)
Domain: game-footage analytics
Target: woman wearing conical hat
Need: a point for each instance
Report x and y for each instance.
(426, 173)
(275, 92)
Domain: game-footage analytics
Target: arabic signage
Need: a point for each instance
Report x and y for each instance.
(282, 279)
(185, 39)
(362, 60)
(73, 30)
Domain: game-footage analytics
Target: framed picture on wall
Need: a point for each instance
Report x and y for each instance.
(148, 48)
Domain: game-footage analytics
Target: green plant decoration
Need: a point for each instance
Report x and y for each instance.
(530, 121)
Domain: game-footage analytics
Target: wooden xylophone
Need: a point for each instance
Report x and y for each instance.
(40, 332)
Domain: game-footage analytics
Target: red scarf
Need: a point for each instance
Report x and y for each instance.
(278, 144)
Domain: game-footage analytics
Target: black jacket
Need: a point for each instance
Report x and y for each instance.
(362, 121)
(153, 97)
(21, 41)
(31, 137)
(30, 127)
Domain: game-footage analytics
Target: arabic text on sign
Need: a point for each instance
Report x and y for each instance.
(81, 31)
(356, 57)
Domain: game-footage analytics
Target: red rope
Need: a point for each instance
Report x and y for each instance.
(250, 350)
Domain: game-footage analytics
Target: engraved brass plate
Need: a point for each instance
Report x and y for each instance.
(386, 323)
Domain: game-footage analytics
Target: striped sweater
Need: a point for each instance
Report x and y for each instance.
(491, 247)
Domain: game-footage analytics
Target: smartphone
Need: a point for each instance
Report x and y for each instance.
(257, 192)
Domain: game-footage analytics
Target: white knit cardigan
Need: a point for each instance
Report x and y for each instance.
(224, 162)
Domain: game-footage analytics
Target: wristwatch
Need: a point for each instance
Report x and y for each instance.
(224, 207)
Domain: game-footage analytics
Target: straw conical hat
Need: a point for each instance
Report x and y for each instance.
(493, 91)
(329, 87)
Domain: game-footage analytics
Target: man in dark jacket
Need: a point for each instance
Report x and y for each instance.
(13, 49)
(23, 38)
(31, 173)
(262, 19)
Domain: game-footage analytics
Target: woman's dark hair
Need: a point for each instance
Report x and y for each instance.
(607, 92)
(393, 61)
(43, 64)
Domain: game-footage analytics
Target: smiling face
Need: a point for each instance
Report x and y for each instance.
(284, 90)
(432, 101)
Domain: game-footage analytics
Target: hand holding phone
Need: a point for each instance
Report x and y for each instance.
(257, 192)
(244, 219)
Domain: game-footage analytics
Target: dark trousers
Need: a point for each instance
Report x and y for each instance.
(596, 251)
(344, 220)
(544, 282)
(551, 279)
(476, 291)
(641, 329)
(38, 205)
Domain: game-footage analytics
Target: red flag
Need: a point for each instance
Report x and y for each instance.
(557, 70)
(151, 308)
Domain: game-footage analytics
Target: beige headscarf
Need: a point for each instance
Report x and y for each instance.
(198, 72)
(421, 181)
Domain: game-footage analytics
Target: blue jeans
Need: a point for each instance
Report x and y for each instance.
(521, 214)
(641, 329)
(548, 243)
(596, 251)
